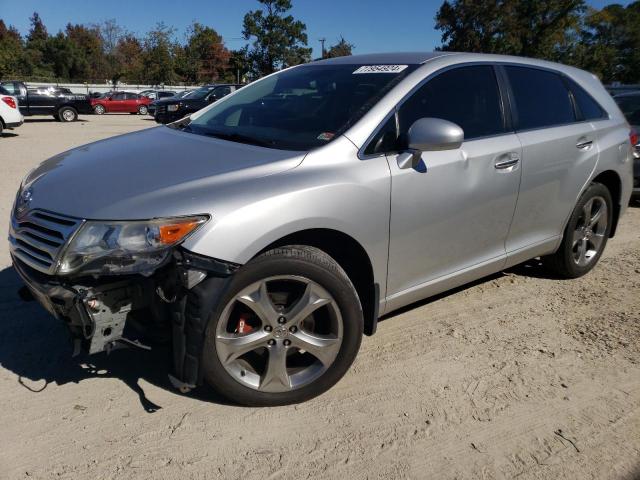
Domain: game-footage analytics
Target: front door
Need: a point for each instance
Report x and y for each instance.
(452, 212)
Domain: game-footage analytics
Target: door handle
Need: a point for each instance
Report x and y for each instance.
(584, 145)
(507, 161)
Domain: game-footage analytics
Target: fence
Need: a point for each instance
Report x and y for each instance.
(107, 87)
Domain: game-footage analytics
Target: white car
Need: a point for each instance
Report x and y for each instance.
(10, 116)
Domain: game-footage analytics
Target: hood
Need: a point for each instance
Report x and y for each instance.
(152, 173)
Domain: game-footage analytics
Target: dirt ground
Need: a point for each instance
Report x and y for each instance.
(517, 375)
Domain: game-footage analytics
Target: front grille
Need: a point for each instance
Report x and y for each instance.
(38, 237)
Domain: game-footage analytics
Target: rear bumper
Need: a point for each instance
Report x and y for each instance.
(14, 124)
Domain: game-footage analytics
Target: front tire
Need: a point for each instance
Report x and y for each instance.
(286, 329)
(67, 114)
(585, 235)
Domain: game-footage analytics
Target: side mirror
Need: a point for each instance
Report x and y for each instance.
(429, 135)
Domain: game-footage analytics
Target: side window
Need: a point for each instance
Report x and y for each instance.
(11, 88)
(385, 141)
(221, 92)
(587, 106)
(467, 96)
(630, 106)
(541, 98)
(118, 96)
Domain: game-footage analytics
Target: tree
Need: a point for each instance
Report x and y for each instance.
(533, 28)
(279, 40)
(158, 54)
(11, 51)
(610, 43)
(128, 60)
(340, 49)
(87, 45)
(35, 61)
(204, 58)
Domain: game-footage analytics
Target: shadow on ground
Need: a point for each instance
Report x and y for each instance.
(52, 120)
(37, 349)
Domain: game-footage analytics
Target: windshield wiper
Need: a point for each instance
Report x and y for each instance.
(237, 137)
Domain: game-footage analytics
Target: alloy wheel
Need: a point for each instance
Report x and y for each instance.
(68, 115)
(279, 334)
(590, 231)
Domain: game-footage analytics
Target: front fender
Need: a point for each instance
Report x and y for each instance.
(350, 196)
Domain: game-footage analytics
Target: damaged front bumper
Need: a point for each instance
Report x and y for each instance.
(103, 313)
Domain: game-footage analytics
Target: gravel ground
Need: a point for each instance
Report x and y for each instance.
(514, 376)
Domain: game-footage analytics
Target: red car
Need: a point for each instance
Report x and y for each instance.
(117, 102)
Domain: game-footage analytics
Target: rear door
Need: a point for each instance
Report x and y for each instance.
(118, 102)
(131, 102)
(559, 152)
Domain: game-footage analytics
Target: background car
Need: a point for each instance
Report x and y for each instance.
(157, 94)
(63, 106)
(121, 102)
(172, 109)
(10, 116)
(629, 103)
(154, 104)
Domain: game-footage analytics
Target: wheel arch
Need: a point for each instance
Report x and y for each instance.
(351, 256)
(613, 182)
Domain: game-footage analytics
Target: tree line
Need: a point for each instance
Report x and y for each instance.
(604, 41)
(107, 51)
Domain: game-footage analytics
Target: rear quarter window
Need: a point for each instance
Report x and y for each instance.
(541, 98)
(587, 107)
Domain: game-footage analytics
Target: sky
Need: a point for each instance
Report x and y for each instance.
(371, 25)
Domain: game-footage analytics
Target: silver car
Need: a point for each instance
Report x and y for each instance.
(268, 232)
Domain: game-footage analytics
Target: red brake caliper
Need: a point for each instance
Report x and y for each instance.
(243, 325)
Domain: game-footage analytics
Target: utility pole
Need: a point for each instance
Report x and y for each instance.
(322, 40)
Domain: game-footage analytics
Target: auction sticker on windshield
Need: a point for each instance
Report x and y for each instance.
(380, 69)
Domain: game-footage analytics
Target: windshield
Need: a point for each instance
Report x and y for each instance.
(200, 93)
(301, 108)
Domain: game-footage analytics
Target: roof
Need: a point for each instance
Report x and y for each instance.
(400, 58)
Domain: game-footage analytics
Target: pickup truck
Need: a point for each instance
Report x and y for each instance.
(58, 102)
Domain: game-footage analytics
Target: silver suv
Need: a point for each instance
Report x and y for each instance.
(269, 231)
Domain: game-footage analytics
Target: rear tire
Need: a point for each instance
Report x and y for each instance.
(304, 343)
(143, 110)
(585, 236)
(67, 114)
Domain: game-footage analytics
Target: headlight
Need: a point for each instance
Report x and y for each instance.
(125, 247)
(172, 108)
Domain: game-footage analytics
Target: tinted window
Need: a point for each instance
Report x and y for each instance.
(541, 98)
(132, 96)
(630, 106)
(588, 108)
(300, 108)
(165, 94)
(11, 88)
(385, 141)
(467, 96)
(118, 96)
(221, 92)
